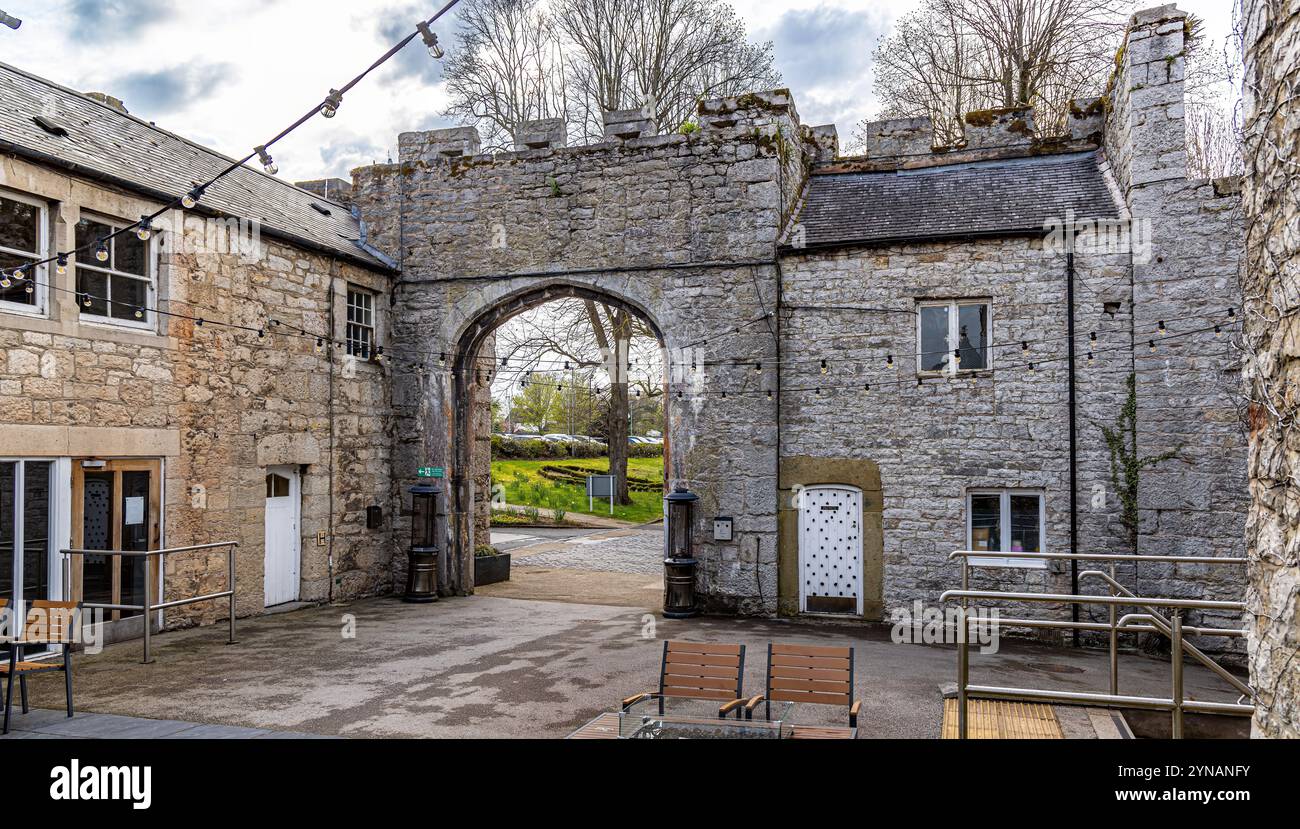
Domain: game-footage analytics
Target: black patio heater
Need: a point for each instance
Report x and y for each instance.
(680, 565)
(422, 578)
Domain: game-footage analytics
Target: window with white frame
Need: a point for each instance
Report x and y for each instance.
(23, 234)
(115, 282)
(954, 336)
(1006, 521)
(361, 323)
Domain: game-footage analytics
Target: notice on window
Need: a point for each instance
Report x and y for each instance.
(134, 512)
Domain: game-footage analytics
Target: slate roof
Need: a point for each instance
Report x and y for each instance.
(984, 198)
(106, 145)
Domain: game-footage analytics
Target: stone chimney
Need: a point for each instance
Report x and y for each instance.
(823, 142)
(109, 101)
(1146, 132)
(898, 137)
(438, 145)
(997, 128)
(334, 189)
(546, 134)
(627, 124)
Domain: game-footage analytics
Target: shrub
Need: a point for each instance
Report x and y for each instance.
(486, 551)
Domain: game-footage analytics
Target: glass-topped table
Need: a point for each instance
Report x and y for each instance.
(691, 721)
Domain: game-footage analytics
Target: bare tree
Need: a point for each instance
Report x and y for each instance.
(520, 61)
(953, 56)
(509, 70)
(1212, 82)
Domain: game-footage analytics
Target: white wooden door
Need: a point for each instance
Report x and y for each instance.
(283, 538)
(830, 550)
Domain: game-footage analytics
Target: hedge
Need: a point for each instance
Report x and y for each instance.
(538, 450)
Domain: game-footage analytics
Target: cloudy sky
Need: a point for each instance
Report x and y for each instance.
(231, 74)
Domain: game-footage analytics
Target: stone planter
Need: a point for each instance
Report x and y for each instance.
(491, 569)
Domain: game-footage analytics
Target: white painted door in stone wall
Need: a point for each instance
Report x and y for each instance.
(283, 538)
(830, 550)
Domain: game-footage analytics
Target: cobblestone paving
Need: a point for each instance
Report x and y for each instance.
(641, 553)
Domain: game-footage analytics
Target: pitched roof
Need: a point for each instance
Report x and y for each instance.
(985, 198)
(105, 144)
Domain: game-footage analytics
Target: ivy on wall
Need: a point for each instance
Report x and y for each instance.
(1126, 466)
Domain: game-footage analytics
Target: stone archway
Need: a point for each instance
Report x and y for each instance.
(465, 497)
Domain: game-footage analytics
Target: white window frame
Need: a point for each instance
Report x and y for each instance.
(373, 327)
(1004, 511)
(40, 274)
(88, 260)
(954, 307)
(59, 531)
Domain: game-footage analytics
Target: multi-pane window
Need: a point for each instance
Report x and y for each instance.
(1006, 521)
(118, 287)
(949, 329)
(361, 324)
(22, 243)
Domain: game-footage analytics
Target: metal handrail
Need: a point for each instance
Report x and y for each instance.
(146, 609)
(1120, 596)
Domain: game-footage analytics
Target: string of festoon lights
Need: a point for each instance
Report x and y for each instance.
(144, 228)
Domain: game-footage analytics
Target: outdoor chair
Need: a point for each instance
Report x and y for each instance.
(810, 675)
(48, 623)
(713, 673)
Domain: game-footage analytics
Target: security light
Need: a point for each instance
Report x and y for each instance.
(10, 21)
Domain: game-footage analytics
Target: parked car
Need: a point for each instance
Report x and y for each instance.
(558, 438)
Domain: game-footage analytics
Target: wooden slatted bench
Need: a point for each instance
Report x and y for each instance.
(48, 623)
(691, 670)
(812, 675)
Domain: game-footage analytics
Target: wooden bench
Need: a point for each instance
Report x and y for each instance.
(811, 675)
(714, 673)
(48, 623)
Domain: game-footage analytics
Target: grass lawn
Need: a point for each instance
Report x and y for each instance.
(526, 486)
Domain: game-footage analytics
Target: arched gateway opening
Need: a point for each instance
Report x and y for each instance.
(472, 499)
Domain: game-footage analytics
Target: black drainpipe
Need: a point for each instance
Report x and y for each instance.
(1074, 445)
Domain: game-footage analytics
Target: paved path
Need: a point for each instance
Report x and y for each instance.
(55, 725)
(494, 667)
(639, 552)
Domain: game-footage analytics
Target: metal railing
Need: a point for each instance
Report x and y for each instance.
(148, 608)
(1150, 621)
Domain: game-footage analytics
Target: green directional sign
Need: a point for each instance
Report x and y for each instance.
(433, 472)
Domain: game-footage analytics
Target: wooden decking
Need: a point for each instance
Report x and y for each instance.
(604, 727)
(995, 720)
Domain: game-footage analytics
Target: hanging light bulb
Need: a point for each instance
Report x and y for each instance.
(4, 280)
(1024, 347)
(30, 289)
(61, 264)
(819, 391)
(724, 394)
(261, 333)
(1163, 330)
(1232, 313)
(268, 163)
(320, 344)
(890, 361)
(1091, 358)
(191, 199)
(826, 369)
(1218, 332)
(758, 368)
(956, 357)
(144, 230)
(332, 103)
(769, 394)
(379, 357)
(139, 313)
(866, 387)
(101, 250)
(85, 300)
(1154, 347)
(505, 362)
(1093, 337)
(200, 322)
(431, 41)
(1033, 369)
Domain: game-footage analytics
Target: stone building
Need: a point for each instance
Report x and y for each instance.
(871, 355)
(1272, 39)
(175, 393)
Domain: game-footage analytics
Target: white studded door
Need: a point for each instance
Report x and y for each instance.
(830, 550)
